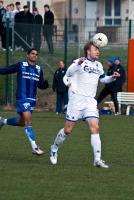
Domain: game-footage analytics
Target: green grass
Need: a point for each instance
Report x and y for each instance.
(24, 176)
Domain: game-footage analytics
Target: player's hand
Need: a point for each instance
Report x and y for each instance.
(115, 75)
(81, 60)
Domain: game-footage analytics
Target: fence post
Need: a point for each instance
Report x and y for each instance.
(65, 41)
(12, 76)
(7, 57)
(129, 31)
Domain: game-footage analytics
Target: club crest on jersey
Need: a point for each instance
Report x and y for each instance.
(89, 69)
(38, 68)
(25, 64)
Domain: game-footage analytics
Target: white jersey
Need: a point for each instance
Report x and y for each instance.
(84, 78)
(83, 81)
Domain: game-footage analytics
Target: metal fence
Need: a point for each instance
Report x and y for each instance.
(78, 31)
(67, 34)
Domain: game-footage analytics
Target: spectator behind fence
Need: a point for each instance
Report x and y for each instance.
(17, 26)
(8, 32)
(116, 86)
(48, 28)
(25, 19)
(11, 7)
(37, 28)
(60, 88)
(2, 12)
(18, 7)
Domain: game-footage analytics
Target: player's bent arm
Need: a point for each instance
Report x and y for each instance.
(106, 79)
(72, 69)
(10, 69)
(42, 84)
(66, 81)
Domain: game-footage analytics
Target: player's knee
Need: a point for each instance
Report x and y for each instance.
(68, 130)
(27, 122)
(95, 129)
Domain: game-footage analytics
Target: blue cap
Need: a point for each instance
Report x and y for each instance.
(111, 60)
(116, 58)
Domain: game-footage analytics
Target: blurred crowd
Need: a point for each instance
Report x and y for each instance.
(27, 27)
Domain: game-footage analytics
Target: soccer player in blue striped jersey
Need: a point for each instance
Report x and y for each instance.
(29, 78)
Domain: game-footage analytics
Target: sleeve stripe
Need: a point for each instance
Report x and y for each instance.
(102, 76)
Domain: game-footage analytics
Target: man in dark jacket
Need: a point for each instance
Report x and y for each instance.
(25, 21)
(115, 86)
(2, 12)
(48, 27)
(60, 88)
(37, 28)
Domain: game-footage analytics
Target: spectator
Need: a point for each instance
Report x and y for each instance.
(11, 7)
(37, 28)
(25, 21)
(116, 86)
(18, 7)
(10, 16)
(48, 27)
(2, 12)
(17, 26)
(60, 88)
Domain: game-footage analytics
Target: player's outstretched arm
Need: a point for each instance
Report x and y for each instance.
(106, 79)
(10, 69)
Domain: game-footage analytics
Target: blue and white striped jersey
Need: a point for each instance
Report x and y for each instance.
(29, 77)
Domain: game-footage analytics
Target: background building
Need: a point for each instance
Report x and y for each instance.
(109, 10)
(86, 17)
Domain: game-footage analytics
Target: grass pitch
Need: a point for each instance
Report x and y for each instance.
(24, 176)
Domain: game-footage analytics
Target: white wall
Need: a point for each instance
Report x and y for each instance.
(78, 5)
(131, 9)
(125, 9)
(91, 10)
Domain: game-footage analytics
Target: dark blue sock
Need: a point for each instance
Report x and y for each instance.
(13, 121)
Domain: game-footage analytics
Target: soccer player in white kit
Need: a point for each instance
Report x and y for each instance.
(84, 74)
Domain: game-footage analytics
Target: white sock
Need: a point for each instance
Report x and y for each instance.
(5, 121)
(31, 136)
(60, 138)
(33, 144)
(96, 145)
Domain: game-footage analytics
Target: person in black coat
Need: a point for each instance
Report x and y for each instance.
(48, 27)
(37, 29)
(60, 88)
(25, 21)
(115, 86)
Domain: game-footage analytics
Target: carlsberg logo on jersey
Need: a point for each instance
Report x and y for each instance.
(87, 67)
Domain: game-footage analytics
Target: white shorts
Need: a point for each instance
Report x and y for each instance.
(81, 107)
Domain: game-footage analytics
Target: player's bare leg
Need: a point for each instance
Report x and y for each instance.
(60, 138)
(93, 124)
(25, 120)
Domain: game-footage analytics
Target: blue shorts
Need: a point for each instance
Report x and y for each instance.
(25, 106)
